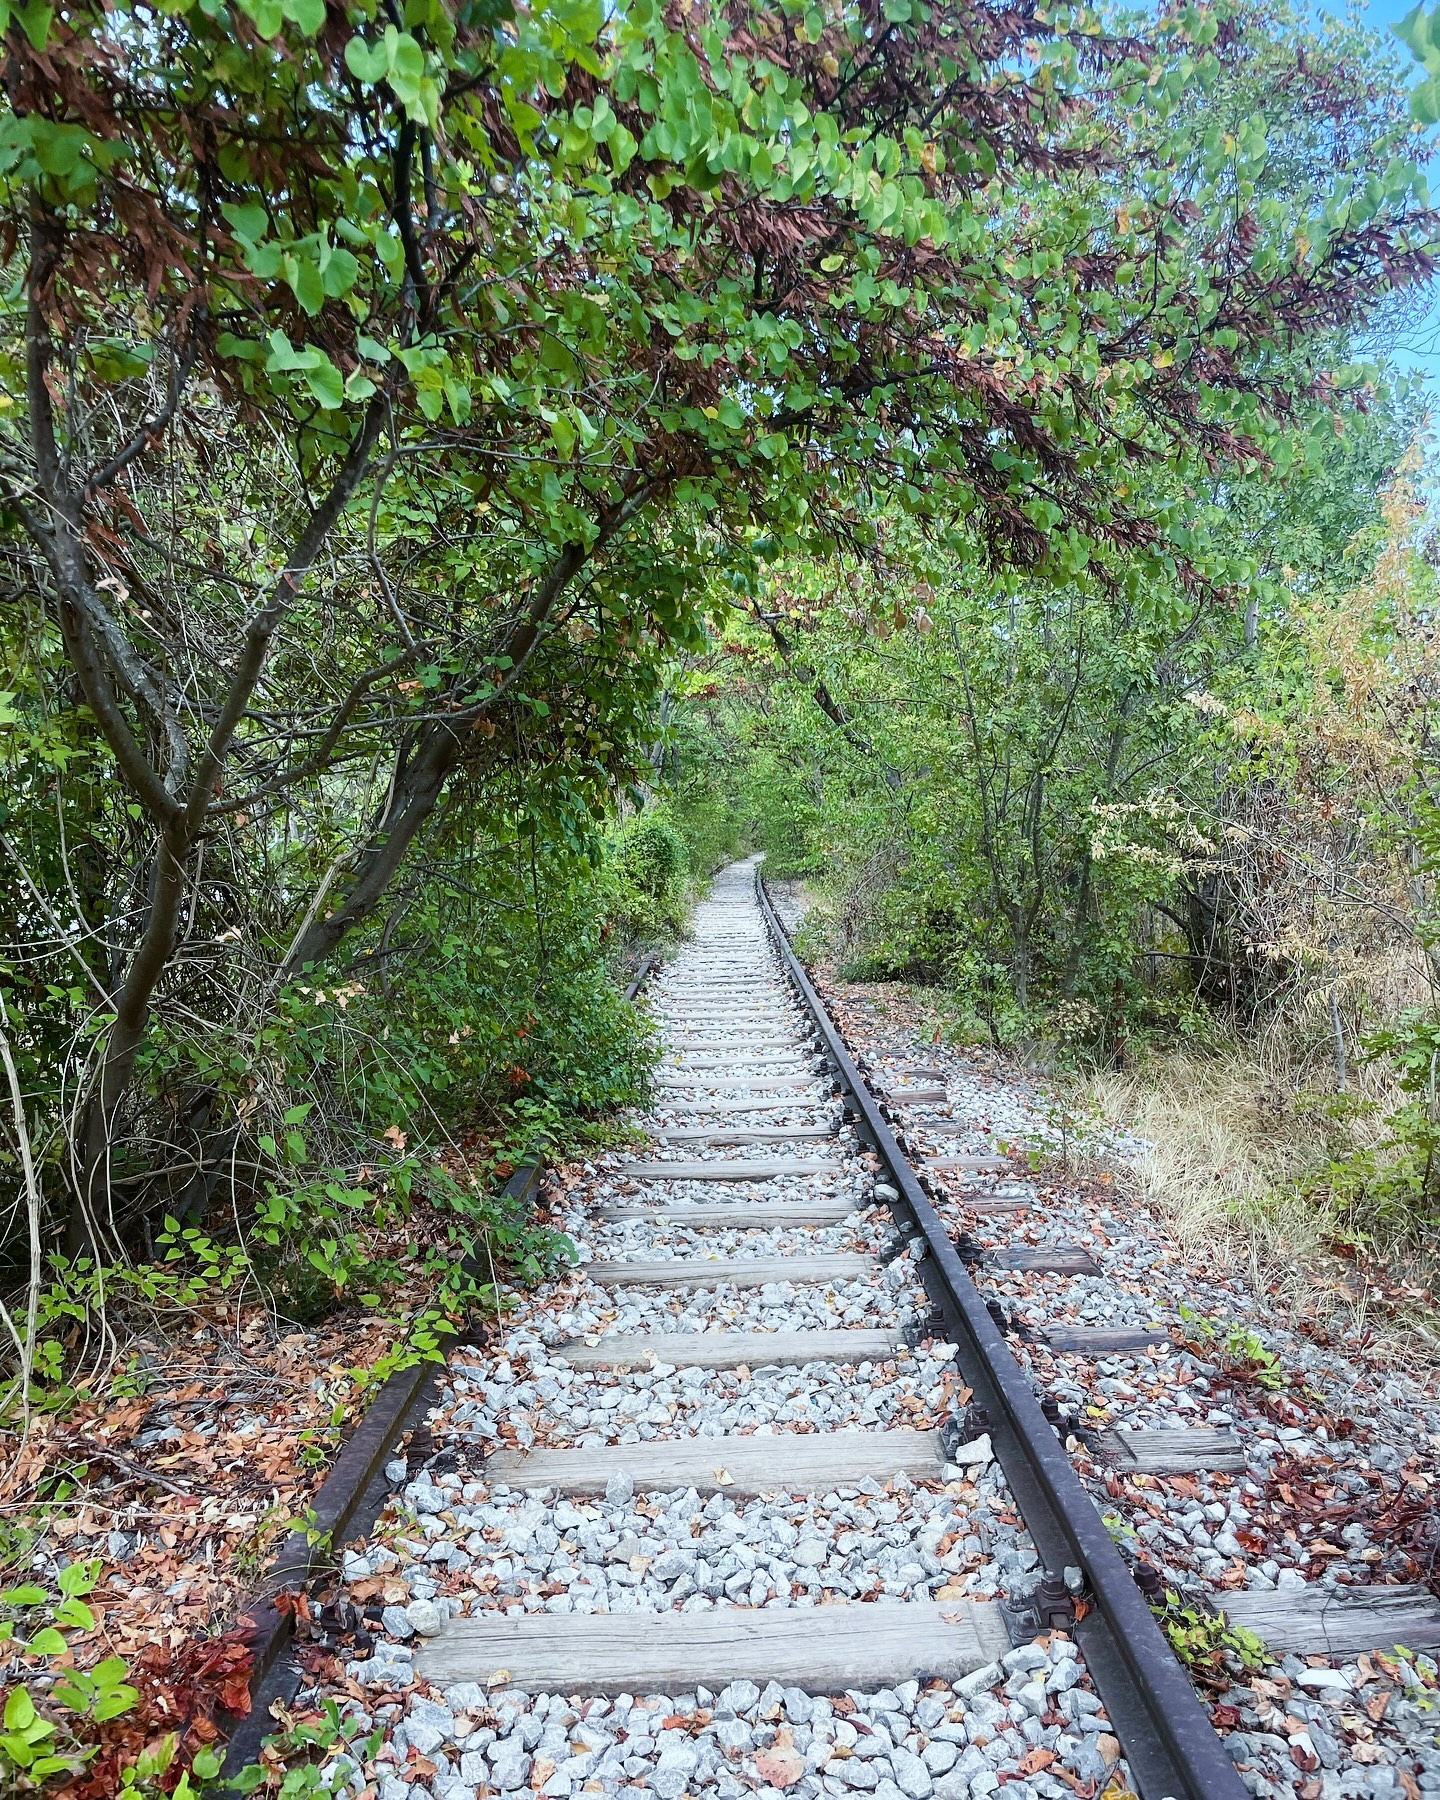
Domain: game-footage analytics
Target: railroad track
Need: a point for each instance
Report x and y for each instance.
(768, 1456)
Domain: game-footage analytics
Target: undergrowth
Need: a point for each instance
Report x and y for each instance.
(1252, 1158)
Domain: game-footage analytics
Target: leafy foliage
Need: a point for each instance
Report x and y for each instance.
(1210, 1646)
(914, 434)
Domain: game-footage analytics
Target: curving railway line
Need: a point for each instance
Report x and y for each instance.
(759, 1499)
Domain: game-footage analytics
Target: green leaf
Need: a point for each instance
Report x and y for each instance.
(340, 272)
(48, 1642)
(80, 1577)
(309, 15)
(1425, 101)
(366, 62)
(1415, 31)
(58, 148)
(562, 430)
(303, 276)
(19, 1710)
(51, 1765)
(36, 21)
(17, 1750)
(250, 220)
(268, 15)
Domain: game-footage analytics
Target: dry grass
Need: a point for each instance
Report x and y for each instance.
(1229, 1140)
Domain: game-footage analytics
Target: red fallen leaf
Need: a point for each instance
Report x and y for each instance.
(1035, 1760)
(1225, 1718)
(781, 1767)
(1303, 1758)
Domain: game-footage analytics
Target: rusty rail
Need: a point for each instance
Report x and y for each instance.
(1173, 1750)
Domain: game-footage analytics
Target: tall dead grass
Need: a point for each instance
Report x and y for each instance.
(1229, 1140)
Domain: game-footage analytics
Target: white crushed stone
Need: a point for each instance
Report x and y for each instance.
(451, 1543)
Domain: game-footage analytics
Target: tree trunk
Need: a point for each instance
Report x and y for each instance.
(90, 1226)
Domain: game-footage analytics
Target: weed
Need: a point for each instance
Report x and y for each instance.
(1243, 1352)
(1119, 1529)
(1208, 1644)
(295, 1759)
(46, 1713)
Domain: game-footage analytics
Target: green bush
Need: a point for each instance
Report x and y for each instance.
(653, 855)
(647, 896)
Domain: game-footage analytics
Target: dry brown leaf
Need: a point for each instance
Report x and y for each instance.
(782, 1767)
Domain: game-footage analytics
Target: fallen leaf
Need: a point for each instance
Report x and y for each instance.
(1035, 1760)
(781, 1767)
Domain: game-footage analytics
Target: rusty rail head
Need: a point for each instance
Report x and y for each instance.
(1168, 1740)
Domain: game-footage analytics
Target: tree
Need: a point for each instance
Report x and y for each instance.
(1045, 795)
(516, 321)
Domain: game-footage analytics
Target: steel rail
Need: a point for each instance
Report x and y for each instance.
(346, 1506)
(1173, 1750)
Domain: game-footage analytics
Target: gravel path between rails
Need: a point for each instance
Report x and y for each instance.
(455, 1544)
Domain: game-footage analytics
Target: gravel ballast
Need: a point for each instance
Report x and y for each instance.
(454, 1544)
